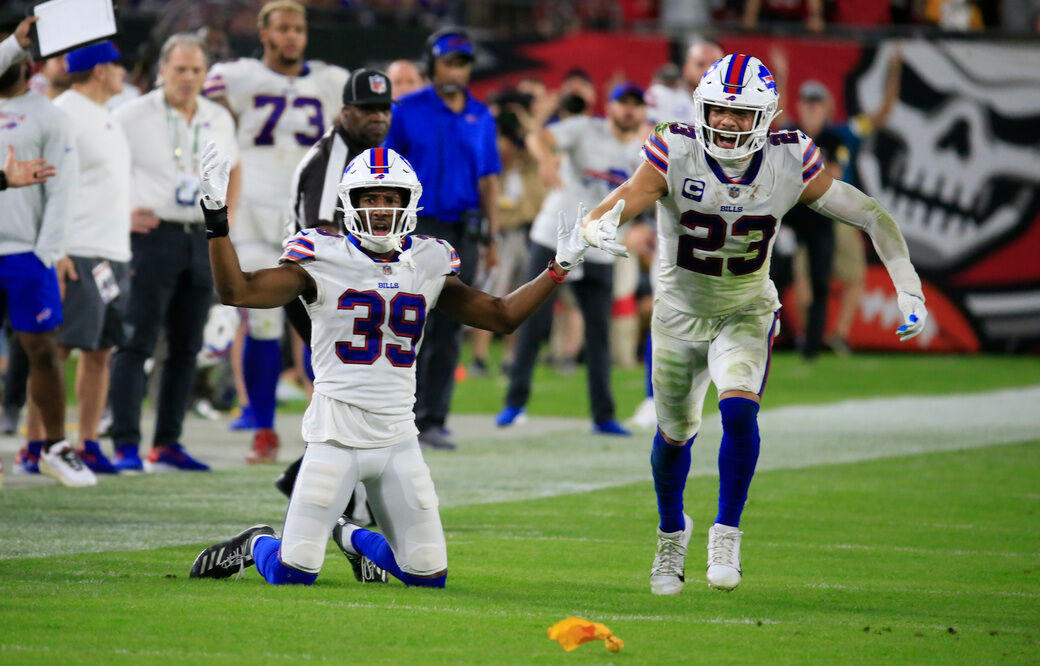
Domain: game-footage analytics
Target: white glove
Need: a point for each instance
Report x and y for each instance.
(214, 174)
(602, 233)
(914, 313)
(570, 244)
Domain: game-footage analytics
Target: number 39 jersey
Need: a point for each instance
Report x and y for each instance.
(368, 317)
(279, 118)
(715, 233)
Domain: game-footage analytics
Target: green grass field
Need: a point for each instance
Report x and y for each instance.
(929, 558)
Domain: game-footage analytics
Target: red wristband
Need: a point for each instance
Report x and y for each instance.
(553, 275)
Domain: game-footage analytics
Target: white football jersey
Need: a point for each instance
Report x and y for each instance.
(715, 233)
(368, 317)
(279, 118)
(668, 105)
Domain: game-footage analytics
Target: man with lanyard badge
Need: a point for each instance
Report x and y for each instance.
(170, 280)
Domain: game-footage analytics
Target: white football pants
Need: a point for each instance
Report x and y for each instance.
(400, 492)
(733, 352)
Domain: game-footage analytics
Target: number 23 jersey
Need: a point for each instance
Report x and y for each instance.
(279, 118)
(368, 317)
(716, 233)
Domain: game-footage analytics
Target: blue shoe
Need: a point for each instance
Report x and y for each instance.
(510, 416)
(94, 459)
(173, 457)
(127, 459)
(245, 421)
(610, 427)
(27, 462)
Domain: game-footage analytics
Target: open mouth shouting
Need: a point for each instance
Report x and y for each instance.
(380, 226)
(723, 140)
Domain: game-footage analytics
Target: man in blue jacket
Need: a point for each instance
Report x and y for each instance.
(449, 137)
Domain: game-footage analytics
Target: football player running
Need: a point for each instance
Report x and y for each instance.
(368, 295)
(282, 105)
(721, 186)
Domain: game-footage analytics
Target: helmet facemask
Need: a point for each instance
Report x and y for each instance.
(735, 82)
(746, 143)
(380, 228)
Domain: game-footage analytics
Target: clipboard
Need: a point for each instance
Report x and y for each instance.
(66, 25)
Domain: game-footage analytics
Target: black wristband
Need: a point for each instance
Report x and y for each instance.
(216, 222)
(3, 180)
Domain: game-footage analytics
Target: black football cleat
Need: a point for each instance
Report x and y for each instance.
(287, 479)
(365, 570)
(227, 558)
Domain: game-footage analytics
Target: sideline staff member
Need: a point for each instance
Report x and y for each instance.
(451, 140)
(171, 283)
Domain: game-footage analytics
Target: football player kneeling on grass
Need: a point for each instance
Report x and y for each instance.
(368, 295)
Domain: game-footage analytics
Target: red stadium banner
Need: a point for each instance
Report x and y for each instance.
(946, 330)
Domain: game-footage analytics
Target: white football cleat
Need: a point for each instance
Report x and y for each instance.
(62, 463)
(724, 557)
(645, 415)
(668, 573)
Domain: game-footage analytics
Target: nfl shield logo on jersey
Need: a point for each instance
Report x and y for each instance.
(387, 270)
(734, 191)
(377, 84)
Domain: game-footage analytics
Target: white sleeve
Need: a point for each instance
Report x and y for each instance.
(568, 131)
(224, 80)
(845, 203)
(10, 53)
(59, 151)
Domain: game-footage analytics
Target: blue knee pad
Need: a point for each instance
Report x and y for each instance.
(265, 552)
(670, 466)
(738, 456)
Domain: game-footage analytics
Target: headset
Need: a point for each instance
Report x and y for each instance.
(428, 58)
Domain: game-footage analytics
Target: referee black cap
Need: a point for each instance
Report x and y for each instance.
(367, 87)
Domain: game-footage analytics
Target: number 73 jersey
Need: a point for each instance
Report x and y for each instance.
(715, 233)
(279, 118)
(367, 320)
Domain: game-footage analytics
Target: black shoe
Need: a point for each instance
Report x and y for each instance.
(229, 557)
(478, 368)
(436, 438)
(287, 479)
(9, 419)
(365, 570)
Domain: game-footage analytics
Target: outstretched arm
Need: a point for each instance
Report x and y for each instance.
(267, 288)
(843, 202)
(12, 49)
(503, 315)
(631, 198)
(646, 186)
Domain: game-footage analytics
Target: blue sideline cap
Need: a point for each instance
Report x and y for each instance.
(451, 44)
(627, 89)
(87, 57)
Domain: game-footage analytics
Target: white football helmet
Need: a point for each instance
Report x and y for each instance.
(380, 168)
(737, 81)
